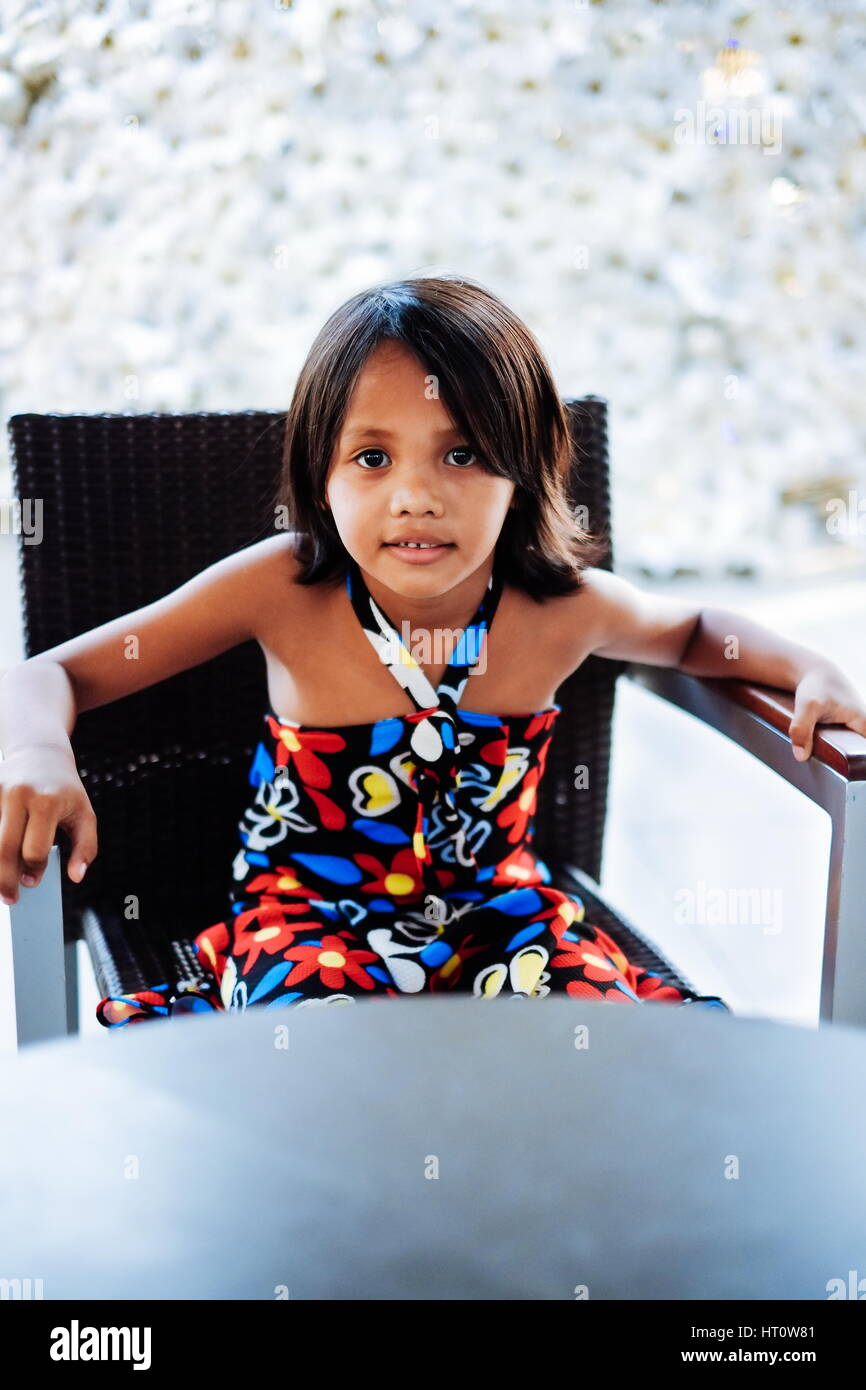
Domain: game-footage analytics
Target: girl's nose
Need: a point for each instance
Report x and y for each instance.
(415, 490)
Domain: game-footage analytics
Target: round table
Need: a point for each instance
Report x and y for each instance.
(438, 1148)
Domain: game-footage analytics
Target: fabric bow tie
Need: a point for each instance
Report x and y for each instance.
(434, 741)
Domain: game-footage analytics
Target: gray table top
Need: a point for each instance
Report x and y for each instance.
(438, 1148)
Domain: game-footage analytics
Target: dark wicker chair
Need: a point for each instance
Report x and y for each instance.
(166, 768)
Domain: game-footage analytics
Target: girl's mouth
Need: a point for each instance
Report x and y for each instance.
(419, 555)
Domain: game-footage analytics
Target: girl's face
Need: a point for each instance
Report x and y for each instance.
(400, 468)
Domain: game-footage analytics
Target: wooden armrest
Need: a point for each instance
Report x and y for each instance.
(833, 744)
(757, 717)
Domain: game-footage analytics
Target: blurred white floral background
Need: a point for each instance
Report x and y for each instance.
(670, 195)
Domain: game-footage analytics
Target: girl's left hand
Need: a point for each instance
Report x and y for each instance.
(824, 695)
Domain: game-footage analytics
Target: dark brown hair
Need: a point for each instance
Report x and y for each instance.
(498, 388)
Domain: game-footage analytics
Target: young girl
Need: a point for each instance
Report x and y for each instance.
(424, 537)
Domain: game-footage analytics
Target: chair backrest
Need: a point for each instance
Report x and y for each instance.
(572, 797)
(166, 768)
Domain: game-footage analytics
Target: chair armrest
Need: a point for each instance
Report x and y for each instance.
(757, 718)
(44, 967)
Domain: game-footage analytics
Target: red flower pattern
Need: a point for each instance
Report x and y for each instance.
(334, 960)
(318, 903)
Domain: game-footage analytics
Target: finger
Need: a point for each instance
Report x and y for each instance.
(807, 712)
(12, 823)
(36, 845)
(81, 829)
(801, 730)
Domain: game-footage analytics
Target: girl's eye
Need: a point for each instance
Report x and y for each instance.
(458, 449)
(463, 449)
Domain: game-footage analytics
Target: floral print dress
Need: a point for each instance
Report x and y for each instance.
(396, 858)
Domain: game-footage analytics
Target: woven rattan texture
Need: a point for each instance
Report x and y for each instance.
(132, 507)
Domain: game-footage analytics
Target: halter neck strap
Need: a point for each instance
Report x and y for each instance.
(434, 744)
(397, 656)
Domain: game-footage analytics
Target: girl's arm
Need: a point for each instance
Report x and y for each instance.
(725, 643)
(210, 613)
(37, 707)
(41, 698)
(631, 625)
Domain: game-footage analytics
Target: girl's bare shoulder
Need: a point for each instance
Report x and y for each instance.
(612, 617)
(571, 621)
(282, 604)
(223, 606)
(566, 626)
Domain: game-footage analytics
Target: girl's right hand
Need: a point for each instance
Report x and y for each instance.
(40, 789)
